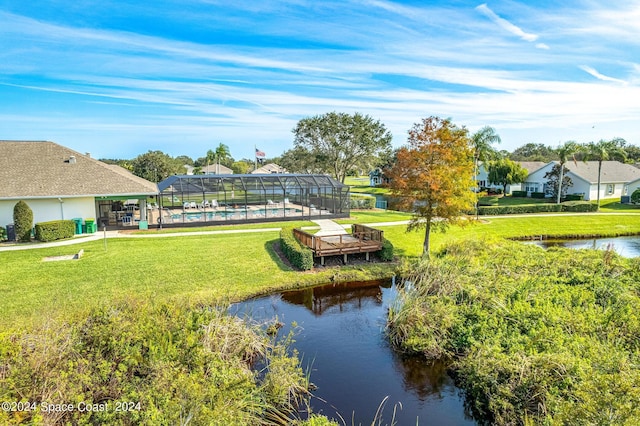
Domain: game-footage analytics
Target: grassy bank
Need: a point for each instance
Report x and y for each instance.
(537, 337)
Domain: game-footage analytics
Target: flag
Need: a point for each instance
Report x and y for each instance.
(260, 154)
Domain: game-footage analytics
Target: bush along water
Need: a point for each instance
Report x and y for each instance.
(169, 364)
(534, 336)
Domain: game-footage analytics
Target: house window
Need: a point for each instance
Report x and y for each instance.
(610, 188)
(625, 190)
(482, 183)
(531, 186)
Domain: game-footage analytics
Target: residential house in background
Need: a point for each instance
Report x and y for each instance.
(616, 178)
(59, 183)
(268, 169)
(216, 169)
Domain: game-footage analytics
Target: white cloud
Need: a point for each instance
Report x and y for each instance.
(506, 25)
(598, 75)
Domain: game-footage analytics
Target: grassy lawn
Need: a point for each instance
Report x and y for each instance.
(410, 244)
(213, 268)
(196, 269)
(262, 225)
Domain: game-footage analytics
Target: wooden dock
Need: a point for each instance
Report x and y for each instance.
(362, 239)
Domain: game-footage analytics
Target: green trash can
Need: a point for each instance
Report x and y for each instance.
(143, 224)
(78, 221)
(91, 226)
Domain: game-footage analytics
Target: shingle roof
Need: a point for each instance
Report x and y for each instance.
(532, 166)
(612, 171)
(217, 169)
(30, 169)
(269, 168)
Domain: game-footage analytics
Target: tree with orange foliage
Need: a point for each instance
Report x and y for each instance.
(433, 176)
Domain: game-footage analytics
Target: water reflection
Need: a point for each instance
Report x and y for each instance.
(340, 335)
(624, 246)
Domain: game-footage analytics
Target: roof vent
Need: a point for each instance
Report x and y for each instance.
(72, 159)
(88, 154)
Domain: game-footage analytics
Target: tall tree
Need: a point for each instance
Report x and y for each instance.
(565, 152)
(533, 152)
(483, 150)
(344, 142)
(604, 151)
(556, 175)
(156, 166)
(433, 175)
(506, 172)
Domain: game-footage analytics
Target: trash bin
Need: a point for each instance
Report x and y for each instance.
(11, 232)
(78, 222)
(91, 226)
(143, 224)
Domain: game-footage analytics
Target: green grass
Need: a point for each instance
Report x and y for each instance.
(410, 244)
(198, 269)
(261, 225)
(369, 190)
(518, 201)
(614, 205)
(207, 268)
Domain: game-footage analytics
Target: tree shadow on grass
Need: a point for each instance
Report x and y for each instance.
(273, 248)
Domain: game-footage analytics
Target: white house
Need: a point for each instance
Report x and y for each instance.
(615, 179)
(59, 183)
(216, 169)
(483, 175)
(269, 169)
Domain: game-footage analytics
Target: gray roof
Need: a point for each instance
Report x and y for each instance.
(612, 171)
(532, 166)
(269, 168)
(42, 169)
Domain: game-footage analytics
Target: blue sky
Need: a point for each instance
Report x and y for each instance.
(118, 78)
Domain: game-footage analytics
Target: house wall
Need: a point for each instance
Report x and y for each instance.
(536, 182)
(48, 209)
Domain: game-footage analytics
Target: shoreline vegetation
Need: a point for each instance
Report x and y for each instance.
(170, 280)
(534, 336)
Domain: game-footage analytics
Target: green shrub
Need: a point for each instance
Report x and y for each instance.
(537, 195)
(3, 234)
(578, 206)
(300, 256)
(574, 197)
(23, 221)
(635, 197)
(361, 201)
(522, 194)
(488, 201)
(55, 230)
(519, 209)
(386, 254)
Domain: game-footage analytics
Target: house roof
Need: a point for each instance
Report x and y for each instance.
(612, 171)
(269, 168)
(42, 169)
(217, 169)
(532, 166)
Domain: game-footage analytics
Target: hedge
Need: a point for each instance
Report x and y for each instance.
(537, 195)
(3, 234)
(300, 256)
(23, 221)
(524, 208)
(578, 206)
(635, 197)
(518, 193)
(360, 201)
(574, 197)
(386, 254)
(55, 230)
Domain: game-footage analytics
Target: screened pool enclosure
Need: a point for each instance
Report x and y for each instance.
(197, 199)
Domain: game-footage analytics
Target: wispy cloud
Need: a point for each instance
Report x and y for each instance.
(506, 25)
(600, 76)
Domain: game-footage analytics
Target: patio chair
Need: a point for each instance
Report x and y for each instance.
(193, 205)
(214, 204)
(205, 204)
(186, 205)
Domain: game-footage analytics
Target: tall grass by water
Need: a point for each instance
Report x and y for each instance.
(535, 336)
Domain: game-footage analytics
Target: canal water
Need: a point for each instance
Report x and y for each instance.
(625, 246)
(340, 336)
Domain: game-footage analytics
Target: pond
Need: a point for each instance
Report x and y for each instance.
(340, 336)
(625, 246)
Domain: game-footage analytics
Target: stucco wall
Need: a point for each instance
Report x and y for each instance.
(50, 209)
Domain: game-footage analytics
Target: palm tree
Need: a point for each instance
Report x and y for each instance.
(482, 151)
(565, 151)
(604, 151)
